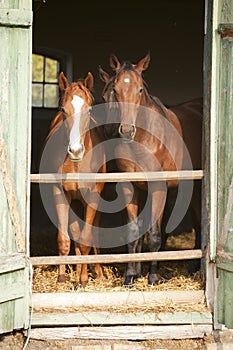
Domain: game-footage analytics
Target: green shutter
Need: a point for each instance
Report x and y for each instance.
(223, 92)
(15, 130)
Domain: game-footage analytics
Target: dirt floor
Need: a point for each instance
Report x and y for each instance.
(17, 340)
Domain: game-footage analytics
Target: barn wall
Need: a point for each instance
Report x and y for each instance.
(173, 33)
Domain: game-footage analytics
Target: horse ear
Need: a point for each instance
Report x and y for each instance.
(104, 76)
(89, 81)
(143, 64)
(62, 81)
(114, 62)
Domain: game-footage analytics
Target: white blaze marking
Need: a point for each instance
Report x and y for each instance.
(126, 80)
(77, 103)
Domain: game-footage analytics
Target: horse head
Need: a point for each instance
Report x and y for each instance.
(75, 105)
(125, 92)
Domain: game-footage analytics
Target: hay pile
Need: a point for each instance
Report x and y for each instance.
(172, 275)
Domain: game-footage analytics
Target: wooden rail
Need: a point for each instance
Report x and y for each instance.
(117, 258)
(118, 177)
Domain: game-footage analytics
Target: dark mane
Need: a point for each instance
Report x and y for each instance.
(159, 104)
(127, 65)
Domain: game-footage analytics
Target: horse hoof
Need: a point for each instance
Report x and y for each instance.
(129, 280)
(153, 279)
(61, 278)
(83, 284)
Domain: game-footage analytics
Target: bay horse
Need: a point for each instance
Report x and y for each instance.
(72, 140)
(190, 114)
(150, 139)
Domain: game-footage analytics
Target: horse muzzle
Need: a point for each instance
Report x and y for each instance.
(127, 132)
(76, 154)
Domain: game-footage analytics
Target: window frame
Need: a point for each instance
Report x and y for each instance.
(65, 60)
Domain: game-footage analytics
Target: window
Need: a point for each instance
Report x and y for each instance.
(47, 63)
(45, 90)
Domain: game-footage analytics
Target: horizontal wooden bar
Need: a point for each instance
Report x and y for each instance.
(142, 332)
(11, 291)
(119, 258)
(56, 318)
(118, 177)
(12, 262)
(115, 299)
(15, 18)
(227, 256)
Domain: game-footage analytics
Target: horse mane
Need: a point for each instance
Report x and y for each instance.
(127, 65)
(159, 104)
(55, 123)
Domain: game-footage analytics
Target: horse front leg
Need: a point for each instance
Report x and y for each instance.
(63, 239)
(75, 231)
(86, 240)
(76, 214)
(158, 198)
(133, 269)
(98, 267)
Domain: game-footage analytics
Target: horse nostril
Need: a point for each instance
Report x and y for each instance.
(127, 130)
(133, 130)
(121, 129)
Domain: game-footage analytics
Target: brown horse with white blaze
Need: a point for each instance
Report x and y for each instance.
(150, 139)
(73, 145)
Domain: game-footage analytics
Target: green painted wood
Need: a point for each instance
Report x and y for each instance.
(13, 284)
(12, 262)
(15, 130)
(108, 318)
(15, 18)
(221, 124)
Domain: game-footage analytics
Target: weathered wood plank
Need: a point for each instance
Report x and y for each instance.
(12, 291)
(111, 299)
(13, 262)
(122, 332)
(118, 318)
(118, 177)
(11, 196)
(15, 18)
(105, 258)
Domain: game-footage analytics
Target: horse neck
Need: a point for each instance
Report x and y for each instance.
(55, 123)
(159, 105)
(153, 103)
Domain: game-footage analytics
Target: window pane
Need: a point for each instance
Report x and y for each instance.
(37, 67)
(51, 95)
(37, 96)
(51, 70)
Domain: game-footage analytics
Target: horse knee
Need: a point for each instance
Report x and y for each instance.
(134, 233)
(63, 247)
(154, 239)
